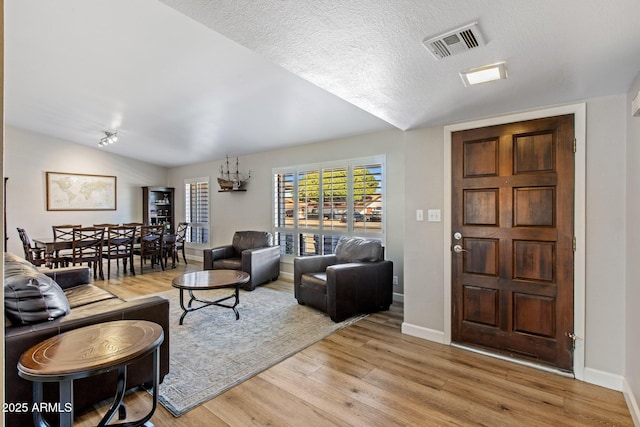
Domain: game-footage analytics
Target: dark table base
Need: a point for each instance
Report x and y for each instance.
(205, 303)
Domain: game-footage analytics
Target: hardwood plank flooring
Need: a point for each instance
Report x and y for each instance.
(370, 374)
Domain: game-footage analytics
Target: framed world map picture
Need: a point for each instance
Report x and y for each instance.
(80, 192)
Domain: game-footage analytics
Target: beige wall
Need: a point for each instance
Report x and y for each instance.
(605, 219)
(632, 252)
(605, 233)
(29, 155)
(415, 168)
(253, 209)
(423, 241)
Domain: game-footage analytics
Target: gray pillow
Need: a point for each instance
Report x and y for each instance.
(32, 297)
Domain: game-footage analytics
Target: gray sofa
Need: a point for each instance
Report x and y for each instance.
(41, 303)
(250, 251)
(356, 279)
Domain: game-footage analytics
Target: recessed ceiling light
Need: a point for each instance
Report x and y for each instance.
(488, 73)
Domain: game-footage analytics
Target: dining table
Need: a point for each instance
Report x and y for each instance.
(51, 246)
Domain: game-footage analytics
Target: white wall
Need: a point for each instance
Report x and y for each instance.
(252, 209)
(632, 296)
(29, 155)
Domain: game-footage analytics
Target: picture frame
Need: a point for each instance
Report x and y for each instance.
(80, 192)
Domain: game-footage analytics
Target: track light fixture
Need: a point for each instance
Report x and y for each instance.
(108, 139)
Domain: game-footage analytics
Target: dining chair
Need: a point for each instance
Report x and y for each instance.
(137, 225)
(105, 225)
(87, 247)
(64, 233)
(119, 246)
(32, 254)
(133, 224)
(181, 237)
(150, 246)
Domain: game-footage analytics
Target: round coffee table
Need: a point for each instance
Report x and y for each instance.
(207, 280)
(88, 351)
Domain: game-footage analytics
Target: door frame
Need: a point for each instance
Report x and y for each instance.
(579, 283)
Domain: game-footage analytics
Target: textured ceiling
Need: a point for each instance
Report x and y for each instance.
(370, 52)
(197, 79)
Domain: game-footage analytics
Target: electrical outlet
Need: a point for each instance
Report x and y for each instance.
(433, 215)
(395, 280)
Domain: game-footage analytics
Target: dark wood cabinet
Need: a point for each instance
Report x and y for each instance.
(158, 207)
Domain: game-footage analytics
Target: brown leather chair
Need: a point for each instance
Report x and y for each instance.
(356, 279)
(252, 252)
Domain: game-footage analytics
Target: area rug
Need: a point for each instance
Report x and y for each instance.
(212, 351)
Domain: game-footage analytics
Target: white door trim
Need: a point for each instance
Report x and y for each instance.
(579, 110)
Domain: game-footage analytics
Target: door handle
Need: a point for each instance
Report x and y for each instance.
(458, 249)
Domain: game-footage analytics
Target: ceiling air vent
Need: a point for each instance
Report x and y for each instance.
(454, 42)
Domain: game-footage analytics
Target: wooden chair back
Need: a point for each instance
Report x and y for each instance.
(119, 245)
(181, 237)
(31, 254)
(137, 225)
(64, 232)
(105, 225)
(87, 247)
(151, 245)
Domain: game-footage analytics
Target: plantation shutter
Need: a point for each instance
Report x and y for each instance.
(197, 210)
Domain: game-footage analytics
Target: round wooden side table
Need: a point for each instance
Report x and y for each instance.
(89, 351)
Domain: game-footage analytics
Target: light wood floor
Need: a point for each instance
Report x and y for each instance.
(370, 374)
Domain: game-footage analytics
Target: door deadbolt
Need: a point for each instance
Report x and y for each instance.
(457, 235)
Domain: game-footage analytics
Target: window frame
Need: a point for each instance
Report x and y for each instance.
(298, 228)
(203, 225)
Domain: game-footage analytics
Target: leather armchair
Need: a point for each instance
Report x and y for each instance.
(356, 279)
(252, 252)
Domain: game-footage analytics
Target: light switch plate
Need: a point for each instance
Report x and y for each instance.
(419, 215)
(433, 215)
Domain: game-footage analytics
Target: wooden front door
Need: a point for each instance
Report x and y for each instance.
(513, 239)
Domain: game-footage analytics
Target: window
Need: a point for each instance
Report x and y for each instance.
(196, 207)
(315, 205)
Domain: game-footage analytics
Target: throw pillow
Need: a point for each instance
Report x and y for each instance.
(32, 297)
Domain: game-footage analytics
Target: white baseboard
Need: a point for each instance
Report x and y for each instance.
(632, 402)
(422, 332)
(398, 297)
(286, 276)
(195, 258)
(603, 379)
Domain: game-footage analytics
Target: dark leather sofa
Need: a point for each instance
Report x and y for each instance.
(87, 305)
(356, 279)
(250, 251)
